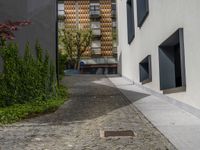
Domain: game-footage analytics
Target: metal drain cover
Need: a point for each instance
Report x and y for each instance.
(121, 133)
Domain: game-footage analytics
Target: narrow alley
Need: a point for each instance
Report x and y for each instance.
(95, 104)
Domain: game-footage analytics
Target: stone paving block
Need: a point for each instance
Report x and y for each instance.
(76, 124)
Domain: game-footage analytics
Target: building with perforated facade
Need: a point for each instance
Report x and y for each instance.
(100, 17)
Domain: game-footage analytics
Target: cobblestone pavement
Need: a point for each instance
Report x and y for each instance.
(94, 104)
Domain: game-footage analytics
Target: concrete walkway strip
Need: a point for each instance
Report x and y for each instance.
(179, 126)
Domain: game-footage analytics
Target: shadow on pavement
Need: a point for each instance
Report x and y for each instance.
(90, 97)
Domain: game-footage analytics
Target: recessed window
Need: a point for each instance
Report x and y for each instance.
(142, 11)
(130, 21)
(145, 70)
(172, 63)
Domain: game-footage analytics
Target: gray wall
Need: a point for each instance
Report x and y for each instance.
(42, 14)
(167, 68)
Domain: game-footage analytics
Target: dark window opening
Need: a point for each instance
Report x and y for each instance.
(142, 11)
(130, 21)
(95, 7)
(172, 62)
(114, 10)
(145, 70)
(94, 10)
(177, 65)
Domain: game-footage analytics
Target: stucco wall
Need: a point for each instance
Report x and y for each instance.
(165, 17)
(42, 14)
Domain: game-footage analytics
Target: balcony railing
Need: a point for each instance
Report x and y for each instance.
(61, 11)
(94, 13)
(94, 10)
(114, 47)
(96, 50)
(95, 24)
(96, 44)
(96, 32)
(114, 50)
(114, 24)
(96, 47)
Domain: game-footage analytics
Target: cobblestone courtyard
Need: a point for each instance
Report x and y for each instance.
(94, 104)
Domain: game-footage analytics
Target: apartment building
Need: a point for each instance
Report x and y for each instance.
(159, 47)
(100, 17)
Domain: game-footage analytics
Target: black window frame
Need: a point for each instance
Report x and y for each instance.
(130, 21)
(142, 11)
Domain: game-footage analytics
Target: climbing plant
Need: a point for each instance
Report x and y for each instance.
(8, 28)
(25, 78)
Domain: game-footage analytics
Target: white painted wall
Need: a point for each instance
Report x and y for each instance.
(165, 17)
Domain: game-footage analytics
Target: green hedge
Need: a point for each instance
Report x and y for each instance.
(26, 78)
(18, 112)
(28, 85)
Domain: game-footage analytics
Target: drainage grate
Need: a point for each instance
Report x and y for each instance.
(125, 133)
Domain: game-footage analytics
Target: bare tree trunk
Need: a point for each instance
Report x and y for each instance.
(77, 61)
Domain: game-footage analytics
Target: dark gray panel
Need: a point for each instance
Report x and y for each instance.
(142, 11)
(130, 21)
(167, 68)
(182, 56)
(42, 14)
(11, 9)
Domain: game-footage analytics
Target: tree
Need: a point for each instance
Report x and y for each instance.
(66, 47)
(75, 43)
(7, 29)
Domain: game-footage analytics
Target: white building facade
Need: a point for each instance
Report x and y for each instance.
(159, 46)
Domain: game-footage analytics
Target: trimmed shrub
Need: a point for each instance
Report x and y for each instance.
(25, 79)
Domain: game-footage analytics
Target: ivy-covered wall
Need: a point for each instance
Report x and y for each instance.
(26, 78)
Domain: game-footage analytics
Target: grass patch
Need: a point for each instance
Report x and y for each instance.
(19, 112)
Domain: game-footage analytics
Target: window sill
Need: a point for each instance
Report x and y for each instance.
(175, 90)
(146, 81)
